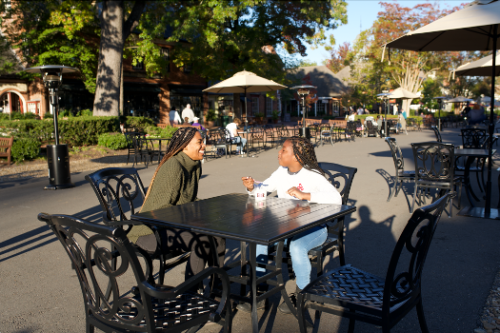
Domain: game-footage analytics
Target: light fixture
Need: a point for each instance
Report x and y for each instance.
(303, 91)
(57, 155)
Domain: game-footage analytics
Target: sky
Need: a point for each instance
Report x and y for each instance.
(360, 16)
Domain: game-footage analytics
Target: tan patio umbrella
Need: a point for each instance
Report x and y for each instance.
(403, 94)
(245, 82)
(473, 28)
(481, 67)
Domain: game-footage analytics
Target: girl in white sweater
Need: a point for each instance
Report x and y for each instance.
(299, 177)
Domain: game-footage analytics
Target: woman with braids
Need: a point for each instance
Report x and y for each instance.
(175, 182)
(299, 177)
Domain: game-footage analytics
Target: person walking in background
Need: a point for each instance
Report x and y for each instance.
(188, 113)
(175, 119)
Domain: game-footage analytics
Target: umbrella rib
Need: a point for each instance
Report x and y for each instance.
(421, 49)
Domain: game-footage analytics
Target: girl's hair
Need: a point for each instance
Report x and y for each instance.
(180, 139)
(304, 153)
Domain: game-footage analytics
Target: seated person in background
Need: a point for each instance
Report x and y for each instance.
(175, 182)
(476, 115)
(298, 177)
(232, 128)
(196, 123)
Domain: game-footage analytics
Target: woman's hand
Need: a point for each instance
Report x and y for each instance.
(296, 193)
(248, 183)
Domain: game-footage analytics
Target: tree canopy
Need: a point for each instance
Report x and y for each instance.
(215, 38)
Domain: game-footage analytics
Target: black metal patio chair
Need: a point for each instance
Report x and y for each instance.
(358, 295)
(134, 304)
(121, 193)
(326, 134)
(272, 136)
(134, 146)
(434, 169)
(437, 133)
(402, 176)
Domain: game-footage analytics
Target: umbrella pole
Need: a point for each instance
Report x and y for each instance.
(385, 120)
(303, 117)
(491, 126)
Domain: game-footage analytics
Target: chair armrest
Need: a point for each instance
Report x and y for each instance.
(190, 283)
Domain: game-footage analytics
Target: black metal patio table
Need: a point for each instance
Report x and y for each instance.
(472, 210)
(239, 217)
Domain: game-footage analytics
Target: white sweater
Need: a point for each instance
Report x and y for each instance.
(306, 181)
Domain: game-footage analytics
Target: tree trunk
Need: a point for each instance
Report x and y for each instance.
(107, 95)
(114, 32)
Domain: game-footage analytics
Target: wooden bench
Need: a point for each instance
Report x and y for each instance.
(5, 148)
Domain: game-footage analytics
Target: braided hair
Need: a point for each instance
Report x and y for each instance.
(180, 139)
(304, 153)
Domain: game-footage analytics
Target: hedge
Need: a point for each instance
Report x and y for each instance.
(76, 131)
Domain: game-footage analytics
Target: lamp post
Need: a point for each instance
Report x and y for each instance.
(57, 155)
(303, 91)
(386, 96)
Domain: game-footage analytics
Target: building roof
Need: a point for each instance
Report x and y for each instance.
(329, 84)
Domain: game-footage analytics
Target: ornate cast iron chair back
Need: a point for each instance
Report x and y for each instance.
(434, 162)
(474, 138)
(437, 133)
(119, 190)
(399, 165)
(397, 155)
(413, 245)
(88, 247)
(149, 308)
(359, 295)
(339, 176)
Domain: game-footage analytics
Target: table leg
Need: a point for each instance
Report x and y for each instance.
(243, 267)
(253, 286)
(468, 188)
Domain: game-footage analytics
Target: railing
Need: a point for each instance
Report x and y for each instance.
(335, 122)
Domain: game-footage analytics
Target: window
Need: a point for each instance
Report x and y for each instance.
(165, 52)
(269, 107)
(187, 68)
(255, 105)
(7, 4)
(139, 66)
(321, 108)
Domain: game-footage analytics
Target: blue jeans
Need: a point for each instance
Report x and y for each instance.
(300, 246)
(239, 139)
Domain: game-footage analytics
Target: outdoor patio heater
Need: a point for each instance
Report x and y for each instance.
(440, 102)
(303, 91)
(385, 95)
(57, 154)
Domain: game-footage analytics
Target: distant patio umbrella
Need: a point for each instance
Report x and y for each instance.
(459, 99)
(481, 67)
(244, 82)
(473, 28)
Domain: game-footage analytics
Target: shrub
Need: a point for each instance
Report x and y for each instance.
(164, 133)
(211, 116)
(25, 148)
(113, 141)
(85, 113)
(140, 123)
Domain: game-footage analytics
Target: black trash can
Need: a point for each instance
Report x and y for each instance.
(59, 173)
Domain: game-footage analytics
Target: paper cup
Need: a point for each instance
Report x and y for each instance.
(260, 192)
